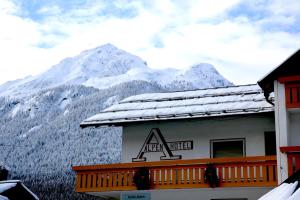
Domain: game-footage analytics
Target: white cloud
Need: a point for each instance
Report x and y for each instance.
(50, 10)
(189, 32)
(7, 7)
(17, 37)
(203, 9)
(287, 7)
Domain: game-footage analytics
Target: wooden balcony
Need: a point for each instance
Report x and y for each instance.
(293, 155)
(292, 90)
(257, 171)
(292, 95)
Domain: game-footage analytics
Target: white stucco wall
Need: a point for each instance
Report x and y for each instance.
(201, 131)
(294, 119)
(249, 193)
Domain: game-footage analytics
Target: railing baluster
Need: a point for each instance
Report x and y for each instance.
(157, 176)
(197, 175)
(246, 173)
(130, 178)
(152, 176)
(226, 172)
(271, 173)
(179, 176)
(94, 181)
(114, 179)
(168, 176)
(99, 181)
(125, 178)
(257, 173)
(89, 180)
(78, 181)
(174, 176)
(185, 175)
(83, 181)
(294, 92)
(251, 173)
(191, 175)
(202, 175)
(119, 179)
(104, 180)
(232, 174)
(264, 173)
(292, 95)
(238, 174)
(275, 172)
(162, 171)
(109, 177)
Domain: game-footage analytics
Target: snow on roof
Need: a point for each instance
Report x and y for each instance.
(3, 198)
(187, 104)
(6, 186)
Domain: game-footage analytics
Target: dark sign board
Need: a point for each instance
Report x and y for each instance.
(135, 196)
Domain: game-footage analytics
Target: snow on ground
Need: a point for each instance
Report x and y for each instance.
(15, 110)
(33, 129)
(111, 101)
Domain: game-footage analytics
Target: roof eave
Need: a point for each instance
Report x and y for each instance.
(267, 82)
(123, 122)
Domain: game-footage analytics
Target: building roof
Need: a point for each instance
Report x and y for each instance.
(15, 189)
(233, 100)
(289, 67)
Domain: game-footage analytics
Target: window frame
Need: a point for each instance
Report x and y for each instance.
(227, 140)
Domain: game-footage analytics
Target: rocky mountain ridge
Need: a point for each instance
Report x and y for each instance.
(107, 66)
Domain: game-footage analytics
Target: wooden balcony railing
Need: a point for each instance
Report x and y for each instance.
(293, 155)
(292, 95)
(232, 172)
(292, 90)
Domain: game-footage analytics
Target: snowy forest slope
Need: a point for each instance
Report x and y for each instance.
(40, 137)
(41, 141)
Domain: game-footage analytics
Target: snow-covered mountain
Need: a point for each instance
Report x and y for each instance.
(40, 137)
(106, 66)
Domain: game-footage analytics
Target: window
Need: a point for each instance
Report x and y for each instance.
(270, 143)
(227, 148)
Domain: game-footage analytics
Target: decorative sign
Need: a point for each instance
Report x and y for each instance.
(136, 196)
(160, 145)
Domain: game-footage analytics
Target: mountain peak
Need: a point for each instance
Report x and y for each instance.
(107, 48)
(202, 67)
(106, 66)
(103, 61)
(204, 75)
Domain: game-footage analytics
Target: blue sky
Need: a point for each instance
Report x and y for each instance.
(243, 39)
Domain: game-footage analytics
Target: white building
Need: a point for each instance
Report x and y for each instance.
(217, 143)
(284, 82)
